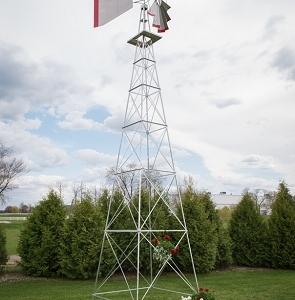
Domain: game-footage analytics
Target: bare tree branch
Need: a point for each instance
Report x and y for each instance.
(10, 168)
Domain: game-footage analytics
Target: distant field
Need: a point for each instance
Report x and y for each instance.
(14, 214)
(12, 231)
(13, 217)
(228, 285)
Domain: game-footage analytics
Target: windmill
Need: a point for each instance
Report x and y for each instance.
(144, 175)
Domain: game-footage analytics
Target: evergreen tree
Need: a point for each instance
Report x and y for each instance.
(282, 229)
(119, 218)
(201, 229)
(248, 232)
(224, 247)
(221, 235)
(103, 203)
(40, 240)
(3, 253)
(160, 218)
(81, 242)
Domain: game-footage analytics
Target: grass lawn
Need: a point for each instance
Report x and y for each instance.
(12, 231)
(228, 285)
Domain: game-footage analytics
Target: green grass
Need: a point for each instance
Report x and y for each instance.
(228, 285)
(12, 231)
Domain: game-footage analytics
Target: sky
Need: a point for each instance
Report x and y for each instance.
(227, 72)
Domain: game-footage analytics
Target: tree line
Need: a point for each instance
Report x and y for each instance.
(264, 241)
(22, 208)
(56, 243)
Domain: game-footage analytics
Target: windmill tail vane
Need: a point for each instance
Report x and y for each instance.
(108, 10)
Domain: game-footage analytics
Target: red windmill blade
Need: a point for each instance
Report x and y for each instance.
(107, 10)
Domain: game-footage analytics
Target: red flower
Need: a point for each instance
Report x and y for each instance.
(206, 290)
(167, 237)
(177, 248)
(155, 242)
(173, 251)
(201, 289)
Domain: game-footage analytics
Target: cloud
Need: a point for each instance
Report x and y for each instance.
(75, 120)
(225, 103)
(38, 152)
(12, 72)
(114, 122)
(42, 181)
(272, 26)
(97, 166)
(242, 182)
(94, 158)
(32, 188)
(258, 161)
(44, 85)
(284, 62)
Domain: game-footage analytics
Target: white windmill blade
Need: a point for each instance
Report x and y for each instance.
(107, 10)
(153, 9)
(157, 17)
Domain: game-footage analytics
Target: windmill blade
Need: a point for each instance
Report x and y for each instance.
(157, 17)
(163, 20)
(161, 17)
(107, 10)
(165, 5)
(165, 13)
(153, 9)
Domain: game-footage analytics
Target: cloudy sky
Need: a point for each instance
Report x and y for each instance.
(227, 71)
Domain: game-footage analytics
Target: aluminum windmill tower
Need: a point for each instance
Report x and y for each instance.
(145, 176)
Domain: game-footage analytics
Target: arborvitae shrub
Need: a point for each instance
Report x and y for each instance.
(126, 219)
(3, 253)
(224, 248)
(248, 232)
(81, 242)
(40, 240)
(282, 229)
(221, 235)
(117, 242)
(159, 220)
(202, 230)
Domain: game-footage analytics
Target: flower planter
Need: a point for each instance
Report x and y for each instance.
(164, 248)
